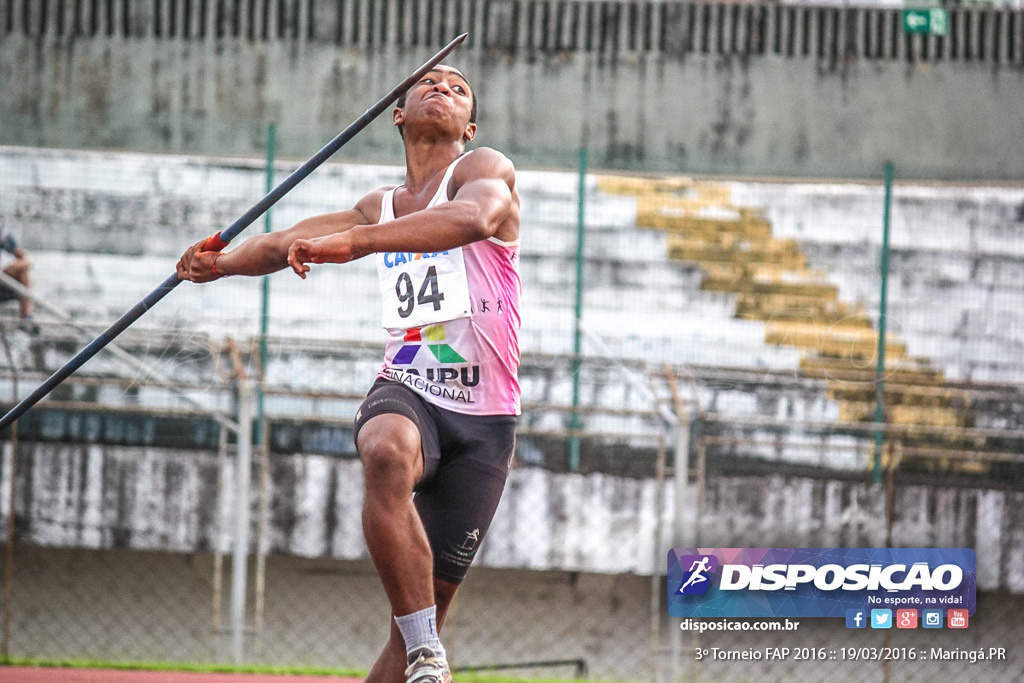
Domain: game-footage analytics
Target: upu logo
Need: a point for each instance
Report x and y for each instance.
(695, 580)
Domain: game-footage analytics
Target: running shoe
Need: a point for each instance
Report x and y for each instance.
(426, 667)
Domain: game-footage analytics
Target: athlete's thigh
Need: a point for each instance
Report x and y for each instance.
(387, 412)
(458, 503)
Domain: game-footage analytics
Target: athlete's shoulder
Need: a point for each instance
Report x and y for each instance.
(488, 156)
(486, 162)
(370, 204)
(376, 194)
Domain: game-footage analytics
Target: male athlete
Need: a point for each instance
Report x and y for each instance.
(440, 419)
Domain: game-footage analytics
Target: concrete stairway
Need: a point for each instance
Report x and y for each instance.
(736, 250)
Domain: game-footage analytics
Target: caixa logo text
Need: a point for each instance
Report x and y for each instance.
(830, 577)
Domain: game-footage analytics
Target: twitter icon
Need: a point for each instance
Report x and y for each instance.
(881, 618)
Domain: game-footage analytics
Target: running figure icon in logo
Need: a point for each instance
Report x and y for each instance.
(697, 582)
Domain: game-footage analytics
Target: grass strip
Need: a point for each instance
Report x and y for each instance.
(463, 676)
(180, 666)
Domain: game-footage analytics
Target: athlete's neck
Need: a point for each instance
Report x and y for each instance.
(427, 160)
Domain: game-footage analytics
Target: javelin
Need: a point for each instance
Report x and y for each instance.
(221, 239)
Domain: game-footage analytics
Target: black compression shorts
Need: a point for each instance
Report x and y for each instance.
(466, 460)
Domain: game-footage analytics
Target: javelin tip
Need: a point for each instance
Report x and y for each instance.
(450, 47)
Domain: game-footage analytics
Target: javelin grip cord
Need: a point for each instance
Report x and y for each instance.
(225, 236)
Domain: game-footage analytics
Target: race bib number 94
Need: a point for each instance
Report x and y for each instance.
(422, 289)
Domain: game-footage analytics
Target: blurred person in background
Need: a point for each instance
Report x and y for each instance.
(17, 268)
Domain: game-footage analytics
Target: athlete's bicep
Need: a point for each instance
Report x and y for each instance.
(487, 179)
(335, 222)
(491, 195)
(326, 224)
(332, 223)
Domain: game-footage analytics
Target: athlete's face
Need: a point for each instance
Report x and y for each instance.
(441, 100)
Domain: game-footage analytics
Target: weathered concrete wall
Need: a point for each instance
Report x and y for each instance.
(157, 606)
(764, 92)
(318, 613)
(97, 496)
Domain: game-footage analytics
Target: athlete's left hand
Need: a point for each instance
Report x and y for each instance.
(302, 252)
(327, 249)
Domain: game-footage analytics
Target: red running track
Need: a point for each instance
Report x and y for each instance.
(26, 674)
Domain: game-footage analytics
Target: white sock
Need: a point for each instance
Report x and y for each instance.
(419, 629)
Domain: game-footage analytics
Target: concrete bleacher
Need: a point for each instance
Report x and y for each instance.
(954, 263)
(104, 229)
(805, 259)
(740, 287)
(112, 225)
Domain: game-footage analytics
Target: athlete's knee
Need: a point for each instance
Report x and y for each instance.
(389, 448)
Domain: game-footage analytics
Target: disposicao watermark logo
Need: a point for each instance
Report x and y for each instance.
(696, 580)
(818, 582)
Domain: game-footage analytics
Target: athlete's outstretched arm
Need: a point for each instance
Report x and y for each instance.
(268, 253)
(485, 204)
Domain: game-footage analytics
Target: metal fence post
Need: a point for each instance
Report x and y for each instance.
(240, 553)
(574, 422)
(5, 639)
(882, 306)
(682, 535)
(262, 428)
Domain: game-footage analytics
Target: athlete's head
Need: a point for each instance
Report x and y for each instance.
(447, 82)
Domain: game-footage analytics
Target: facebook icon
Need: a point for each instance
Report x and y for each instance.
(856, 618)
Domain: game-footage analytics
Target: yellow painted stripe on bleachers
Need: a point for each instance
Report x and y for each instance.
(831, 340)
(749, 225)
(864, 411)
(635, 185)
(909, 370)
(903, 393)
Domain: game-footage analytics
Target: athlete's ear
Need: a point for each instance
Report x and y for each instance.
(398, 116)
(470, 133)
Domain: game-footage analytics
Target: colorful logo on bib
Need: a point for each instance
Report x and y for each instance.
(433, 335)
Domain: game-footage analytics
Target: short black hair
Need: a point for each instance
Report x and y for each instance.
(472, 112)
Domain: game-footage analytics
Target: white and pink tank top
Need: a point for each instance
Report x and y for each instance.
(453, 320)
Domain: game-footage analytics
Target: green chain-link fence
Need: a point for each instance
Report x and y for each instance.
(741, 315)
